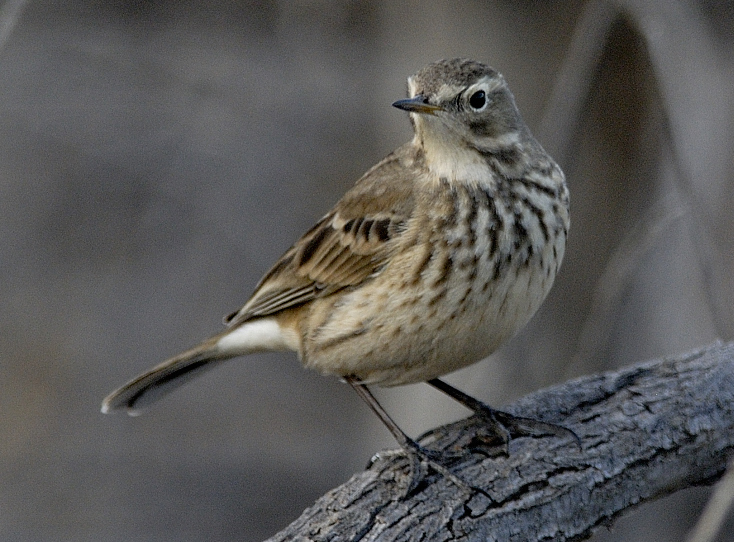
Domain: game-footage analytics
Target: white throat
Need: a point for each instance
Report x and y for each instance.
(449, 158)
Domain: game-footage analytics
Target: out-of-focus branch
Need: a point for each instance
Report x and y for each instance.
(574, 79)
(9, 14)
(713, 516)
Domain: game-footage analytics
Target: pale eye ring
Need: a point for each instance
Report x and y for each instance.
(478, 100)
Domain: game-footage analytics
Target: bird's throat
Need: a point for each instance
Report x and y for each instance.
(447, 160)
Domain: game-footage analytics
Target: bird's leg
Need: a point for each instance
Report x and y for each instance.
(417, 455)
(503, 424)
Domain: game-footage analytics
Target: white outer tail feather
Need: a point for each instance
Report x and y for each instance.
(261, 335)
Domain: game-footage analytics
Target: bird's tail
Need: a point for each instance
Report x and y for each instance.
(257, 335)
(147, 388)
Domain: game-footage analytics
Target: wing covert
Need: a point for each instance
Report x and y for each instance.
(348, 246)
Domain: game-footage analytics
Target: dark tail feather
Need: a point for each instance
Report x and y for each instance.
(150, 386)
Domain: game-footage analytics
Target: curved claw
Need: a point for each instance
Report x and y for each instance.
(503, 424)
(522, 426)
(420, 460)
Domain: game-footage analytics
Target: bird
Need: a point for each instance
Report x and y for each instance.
(438, 255)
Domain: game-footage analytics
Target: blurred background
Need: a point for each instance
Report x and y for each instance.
(157, 157)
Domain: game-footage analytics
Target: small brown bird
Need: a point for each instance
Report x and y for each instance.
(438, 255)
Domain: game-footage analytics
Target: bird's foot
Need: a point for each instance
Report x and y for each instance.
(498, 429)
(502, 426)
(505, 426)
(420, 461)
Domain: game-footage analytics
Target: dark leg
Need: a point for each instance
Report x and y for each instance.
(417, 455)
(485, 411)
(404, 440)
(502, 423)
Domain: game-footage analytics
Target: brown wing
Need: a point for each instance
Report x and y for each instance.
(349, 245)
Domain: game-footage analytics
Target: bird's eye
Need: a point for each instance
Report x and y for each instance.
(478, 100)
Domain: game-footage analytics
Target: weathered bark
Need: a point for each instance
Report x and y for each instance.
(645, 431)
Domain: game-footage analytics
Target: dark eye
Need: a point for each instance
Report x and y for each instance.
(478, 100)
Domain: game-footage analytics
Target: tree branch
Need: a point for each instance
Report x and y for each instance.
(646, 431)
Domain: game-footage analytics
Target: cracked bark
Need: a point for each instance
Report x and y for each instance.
(646, 431)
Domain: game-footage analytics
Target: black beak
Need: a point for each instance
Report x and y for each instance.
(417, 104)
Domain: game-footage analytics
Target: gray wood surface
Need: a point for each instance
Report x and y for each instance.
(646, 431)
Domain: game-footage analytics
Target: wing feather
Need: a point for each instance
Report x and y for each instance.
(349, 245)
